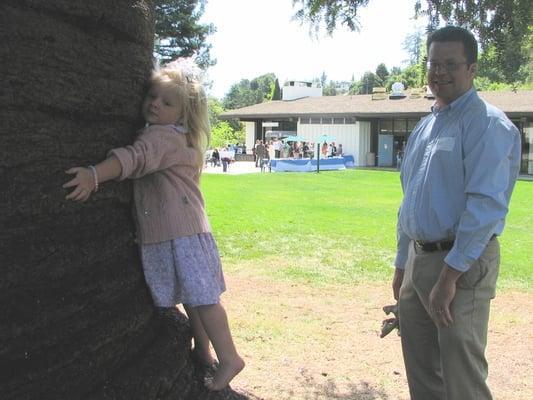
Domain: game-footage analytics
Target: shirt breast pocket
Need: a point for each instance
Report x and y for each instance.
(445, 156)
(446, 143)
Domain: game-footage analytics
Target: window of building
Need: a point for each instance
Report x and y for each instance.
(315, 120)
(305, 120)
(411, 123)
(327, 120)
(399, 126)
(338, 120)
(349, 120)
(385, 127)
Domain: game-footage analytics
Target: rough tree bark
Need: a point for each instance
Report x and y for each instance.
(76, 320)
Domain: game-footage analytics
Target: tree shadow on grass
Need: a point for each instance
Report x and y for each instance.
(328, 390)
(310, 389)
(361, 391)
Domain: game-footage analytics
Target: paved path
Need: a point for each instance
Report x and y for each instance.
(236, 168)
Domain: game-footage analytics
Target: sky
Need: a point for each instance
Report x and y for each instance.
(256, 37)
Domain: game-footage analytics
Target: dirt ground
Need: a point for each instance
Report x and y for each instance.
(303, 342)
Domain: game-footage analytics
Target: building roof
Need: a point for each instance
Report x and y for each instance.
(514, 104)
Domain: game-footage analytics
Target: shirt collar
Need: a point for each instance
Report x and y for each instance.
(457, 104)
(178, 128)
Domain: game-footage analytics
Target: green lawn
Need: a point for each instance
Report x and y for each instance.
(333, 227)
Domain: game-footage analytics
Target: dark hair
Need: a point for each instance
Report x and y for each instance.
(456, 34)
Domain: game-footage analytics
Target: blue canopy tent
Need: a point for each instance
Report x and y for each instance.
(295, 138)
(326, 138)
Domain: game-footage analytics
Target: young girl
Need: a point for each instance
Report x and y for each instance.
(179, 255)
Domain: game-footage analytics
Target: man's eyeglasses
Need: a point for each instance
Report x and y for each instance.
(444, 67)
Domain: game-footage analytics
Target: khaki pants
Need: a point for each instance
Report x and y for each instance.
(447, 363)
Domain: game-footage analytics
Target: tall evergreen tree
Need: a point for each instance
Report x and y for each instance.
(323, 79)
(367, 83)
(276, 91)
(179, 33)
(413, 46)
(330, 89)
(382, 74)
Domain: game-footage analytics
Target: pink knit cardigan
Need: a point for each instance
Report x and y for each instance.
(168, 201)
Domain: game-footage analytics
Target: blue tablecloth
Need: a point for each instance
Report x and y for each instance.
(307, 165)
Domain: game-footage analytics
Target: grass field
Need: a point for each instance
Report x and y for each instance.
(307, 261)
(334, 227)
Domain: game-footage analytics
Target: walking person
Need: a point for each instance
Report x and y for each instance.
(225, 157)
(215, 158)
(260, 150)
(458, 172)
(179, 255)
(278, 146)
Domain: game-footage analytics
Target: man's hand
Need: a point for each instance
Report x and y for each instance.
(397, 283)
(442, 295)
(388, 325)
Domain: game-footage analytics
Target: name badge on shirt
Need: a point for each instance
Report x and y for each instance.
(445, 143)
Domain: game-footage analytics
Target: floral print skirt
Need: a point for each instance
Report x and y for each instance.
(184, 270)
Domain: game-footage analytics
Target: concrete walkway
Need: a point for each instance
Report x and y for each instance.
(248, 167)
(235, 168)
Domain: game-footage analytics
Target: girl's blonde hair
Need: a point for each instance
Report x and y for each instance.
(185, 76)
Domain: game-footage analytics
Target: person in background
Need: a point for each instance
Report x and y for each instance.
(179, 255)
(339, 150)
(215, 158)
(296, 150)
(260, 151)
(305, 150)
(332, 150)
(225, 157)
(458, 172)
(270, 150)
(278, 146)
(286, 150)
(265, 161)
(324, 150)
(254, 151)
(399, 158)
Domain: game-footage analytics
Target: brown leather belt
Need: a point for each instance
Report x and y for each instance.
(444, 245)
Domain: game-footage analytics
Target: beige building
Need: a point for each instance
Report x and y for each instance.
(372, 128)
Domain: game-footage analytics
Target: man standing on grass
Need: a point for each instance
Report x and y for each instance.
(459, 169)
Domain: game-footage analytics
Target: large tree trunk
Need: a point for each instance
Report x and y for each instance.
(76, 320)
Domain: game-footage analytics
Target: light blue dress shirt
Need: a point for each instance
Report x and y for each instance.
(460, 166)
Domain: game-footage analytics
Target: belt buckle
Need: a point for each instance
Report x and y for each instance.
(419, 246)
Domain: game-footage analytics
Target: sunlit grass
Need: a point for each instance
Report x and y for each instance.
(333, 227)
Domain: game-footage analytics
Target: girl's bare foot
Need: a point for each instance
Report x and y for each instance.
(225, 373)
